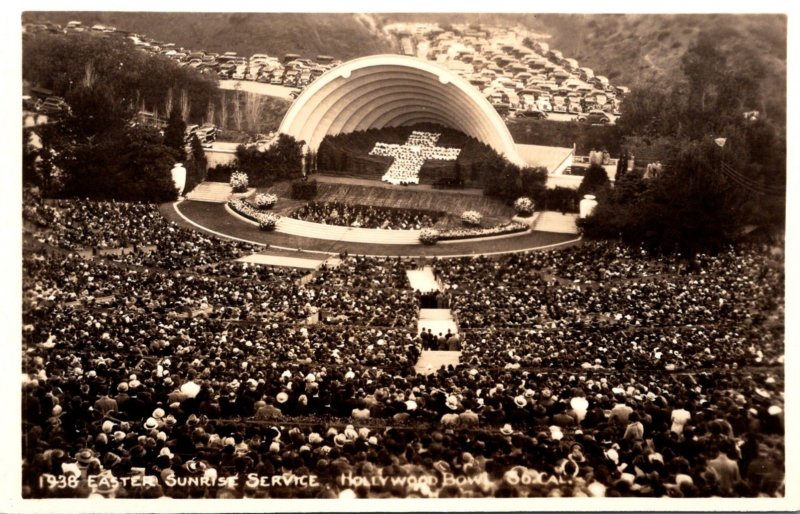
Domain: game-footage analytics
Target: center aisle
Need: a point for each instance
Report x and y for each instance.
(438, 322)
(422, 280)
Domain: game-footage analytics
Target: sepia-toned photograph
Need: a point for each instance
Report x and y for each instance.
(402, 255)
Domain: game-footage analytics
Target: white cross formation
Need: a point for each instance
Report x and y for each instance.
(409, 158)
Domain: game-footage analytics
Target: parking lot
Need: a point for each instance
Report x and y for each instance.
(560, 116)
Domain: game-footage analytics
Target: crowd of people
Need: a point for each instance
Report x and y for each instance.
(134, 233)
(365, 216)
(411, 156)
(147, 381)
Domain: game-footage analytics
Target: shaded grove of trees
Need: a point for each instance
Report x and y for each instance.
(707, 194)
(584, 136)
(138, 80)
(689, 209)
(245, 111)
(282, 160)
(95, 152)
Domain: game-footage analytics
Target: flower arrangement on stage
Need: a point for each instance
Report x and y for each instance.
(472, 218)
(268, 221)
(428, 236)
(266, 201)
(239, 182)
(524, 206)
(470, 233)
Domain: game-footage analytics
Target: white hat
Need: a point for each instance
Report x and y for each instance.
(452, 402)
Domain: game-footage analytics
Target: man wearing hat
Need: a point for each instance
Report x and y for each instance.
(122, 393)
(105, 404)
(266, 410)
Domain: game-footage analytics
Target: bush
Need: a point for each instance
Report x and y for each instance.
(524, 206)
(304, 189)
(221, 173)
(594, 181)
(239, 182)
(428, 236)
(562, 199)
(472, 218)
(266, 201)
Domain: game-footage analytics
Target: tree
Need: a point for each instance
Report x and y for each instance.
(30, 173)
(629, 188)
(594, 181)
(175, 132)
(703, 65)
(622, 166)
(210, 114)
(237, 111)
(95, 110)
(534, 183)
(60, 62)
(186, 105)
(253, 106)
(144, 172)
(197, 166)
(223, 111)
(285, 157)
(690, 208)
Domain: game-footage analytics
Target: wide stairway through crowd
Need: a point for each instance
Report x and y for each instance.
(437, 321)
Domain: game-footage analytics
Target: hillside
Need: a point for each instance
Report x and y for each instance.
(631, 48)
(343, 36)
(627, 48)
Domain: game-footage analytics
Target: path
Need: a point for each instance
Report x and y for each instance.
(260, 88)
(214, 219)
(438, 321)
(282, 260)
(422, 280)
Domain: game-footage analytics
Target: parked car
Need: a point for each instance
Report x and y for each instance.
(594, 117)
(207, 133)
(535, 114)
(543, 103)
(191, 130)
(53, 105)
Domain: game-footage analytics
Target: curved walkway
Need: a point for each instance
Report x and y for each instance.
(293, 227)
(216, 219)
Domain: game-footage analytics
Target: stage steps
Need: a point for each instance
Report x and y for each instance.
(212, 192)
(551, 221)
